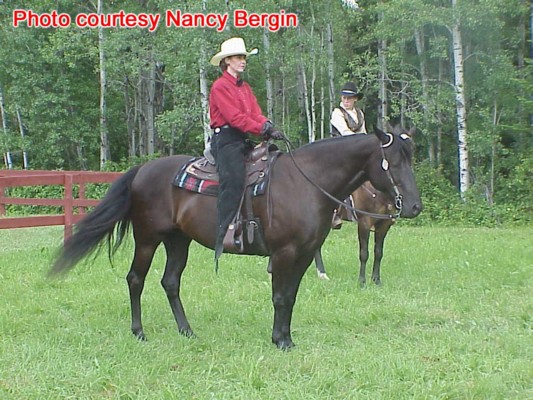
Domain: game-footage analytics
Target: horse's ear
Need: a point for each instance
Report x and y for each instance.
(410, 133)
(382, 136)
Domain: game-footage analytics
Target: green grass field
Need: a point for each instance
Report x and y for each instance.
(452, 321)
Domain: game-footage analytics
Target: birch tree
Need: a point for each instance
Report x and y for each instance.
(21, 130)
(458, 64)
(424, 76)
(204, 93)
(268, 76)
(104, 132)
(383, 102)
(7, 155)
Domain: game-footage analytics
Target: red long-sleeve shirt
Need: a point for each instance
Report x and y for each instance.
(235, 105)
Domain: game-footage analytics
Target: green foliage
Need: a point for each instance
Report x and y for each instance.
(52, 77)
(443, 205)
(515, 189)
(439, 197)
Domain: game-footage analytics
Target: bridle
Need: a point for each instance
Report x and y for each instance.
(398, 203)
(398, 198)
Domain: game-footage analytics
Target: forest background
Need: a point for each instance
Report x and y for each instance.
(460, 70)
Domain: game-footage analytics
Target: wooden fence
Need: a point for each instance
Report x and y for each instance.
(73, 208)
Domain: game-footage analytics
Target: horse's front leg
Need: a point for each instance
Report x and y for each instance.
(286, 277)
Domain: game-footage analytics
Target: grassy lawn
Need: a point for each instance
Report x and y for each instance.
(452, 321)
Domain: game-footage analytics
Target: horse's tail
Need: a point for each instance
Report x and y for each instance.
(113, 210)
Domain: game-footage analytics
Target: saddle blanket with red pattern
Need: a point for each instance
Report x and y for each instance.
(186, 179)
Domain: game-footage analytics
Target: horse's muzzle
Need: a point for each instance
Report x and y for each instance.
(411, 211)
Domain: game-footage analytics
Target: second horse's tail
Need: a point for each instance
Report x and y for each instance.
(100, 223)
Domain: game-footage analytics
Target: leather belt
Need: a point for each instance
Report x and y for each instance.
(216, 131)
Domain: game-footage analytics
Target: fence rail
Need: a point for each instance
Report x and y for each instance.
(73, 208)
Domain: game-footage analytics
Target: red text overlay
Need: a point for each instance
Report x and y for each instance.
(151, 21)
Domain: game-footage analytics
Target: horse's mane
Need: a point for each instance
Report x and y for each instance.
(324, 144)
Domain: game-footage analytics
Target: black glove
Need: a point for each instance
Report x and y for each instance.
(277, 135)
(269, 131)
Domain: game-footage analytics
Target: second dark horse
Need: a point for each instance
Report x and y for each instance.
(296, 216)
(367, 199)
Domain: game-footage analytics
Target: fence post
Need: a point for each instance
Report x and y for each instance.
(81, 196)
(2, 205)
(68, 207)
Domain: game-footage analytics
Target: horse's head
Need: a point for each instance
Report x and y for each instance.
(390, 170)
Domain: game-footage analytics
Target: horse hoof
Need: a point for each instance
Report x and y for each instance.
(323, 276)
(140, 336)
(187, 333)
(284, 345)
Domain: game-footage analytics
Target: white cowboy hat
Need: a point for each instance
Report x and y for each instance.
(231, 47)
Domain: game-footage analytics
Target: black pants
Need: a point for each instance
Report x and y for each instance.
(228, 148)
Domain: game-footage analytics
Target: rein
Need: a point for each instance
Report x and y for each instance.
(385, 165)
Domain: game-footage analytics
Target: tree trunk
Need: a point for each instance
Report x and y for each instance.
(149, 97)
(159, 101)
(204, 91)
(204, 96)
(439, 115)
(139, 115)
(531, 47)
(282, 82)
(331, 67)
(305, 98)
(130, 112)
(310, 95)
(458, 61)
(382, 57)
(268, 78)
(323, 116)
(424, 76)
(495, 122)
(21, 129)
(104, 133)
(7, 155)
(312, 138)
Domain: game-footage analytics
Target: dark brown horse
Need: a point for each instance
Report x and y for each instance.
(368, 201)
(296, 215)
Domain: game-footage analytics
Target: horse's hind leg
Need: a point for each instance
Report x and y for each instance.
(140, 265)
(379, 240)
(319, 262)
(177, 248)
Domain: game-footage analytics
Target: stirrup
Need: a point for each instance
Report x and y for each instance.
(336, 222)
(233, 239)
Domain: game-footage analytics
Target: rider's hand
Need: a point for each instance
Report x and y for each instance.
(277, 135)
(269, 132)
